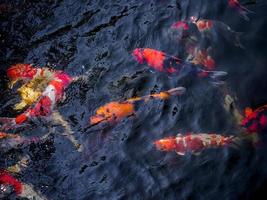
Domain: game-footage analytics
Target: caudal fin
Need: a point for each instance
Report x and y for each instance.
(216, 77)
(7, 123)
(177, 91)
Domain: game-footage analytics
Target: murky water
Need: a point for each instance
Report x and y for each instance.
(96, 38)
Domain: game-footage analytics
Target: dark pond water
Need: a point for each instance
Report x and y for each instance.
(96, 38)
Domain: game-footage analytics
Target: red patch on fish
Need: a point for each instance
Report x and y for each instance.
(6, 178)
(180, 25)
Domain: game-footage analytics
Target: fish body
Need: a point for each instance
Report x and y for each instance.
(46, 102)
(193, 143)
(7, 179)
(8, 135)
(255, 121)
(162, 62)
(116, 111)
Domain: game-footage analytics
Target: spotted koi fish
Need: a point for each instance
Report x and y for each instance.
(193, 143)
(6, 179)
(8, 136)
(116, 111)
(201, 57)
(255, 120)
(162, 62)
(48, 98)
(209, 29)
(234, 4)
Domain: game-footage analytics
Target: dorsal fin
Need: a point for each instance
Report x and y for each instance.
(248, 111)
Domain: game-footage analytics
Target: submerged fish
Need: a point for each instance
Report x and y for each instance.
(210, 29)
(162, 62)
(116, 111)
(255, 120)
(8, 135)
(201, 57)
(239, 8)
(193, 143)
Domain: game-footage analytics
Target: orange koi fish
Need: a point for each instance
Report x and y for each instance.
(255, 120)
(193, 143)
(116, 111)
(239, 8)
(162, 62)
(52, 94)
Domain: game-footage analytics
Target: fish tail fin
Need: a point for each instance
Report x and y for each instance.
(177, 91)
(237, 41)
(10, 123)
(235, 142)
(216, 77)
(244, 12)
(252, 137)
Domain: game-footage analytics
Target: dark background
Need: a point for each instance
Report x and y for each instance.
(96, 38)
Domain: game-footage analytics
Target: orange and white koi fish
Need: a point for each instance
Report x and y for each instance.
(201, 57)
(193, 143)
(162, 62)
(48, 99)
(239, 8)
(255, 120)
(116, 111)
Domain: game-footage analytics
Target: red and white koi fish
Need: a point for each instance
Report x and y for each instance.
(50, 96)
(162, 62)
(193, 143)
(239, 8)
(6, 179)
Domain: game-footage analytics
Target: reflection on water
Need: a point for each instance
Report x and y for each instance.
(95, 40)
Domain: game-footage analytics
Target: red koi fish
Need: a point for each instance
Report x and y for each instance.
(50, 96)
(193, 143)
(239, 8)
(255, 121)
(6, 179)
(116, 111)
(162, 62)
(201, 57)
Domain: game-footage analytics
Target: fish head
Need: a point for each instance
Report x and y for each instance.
(166, 144)
(193, 19)
(138, 54)
(21, 71)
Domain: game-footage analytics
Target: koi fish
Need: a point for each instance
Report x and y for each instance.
(193, 143)
(162, 62)
(6, 179)
(48, 99)
(210, 29)
(201, 57)
(255, 121)
(36, 80)
(116, 111)
(239, 8)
